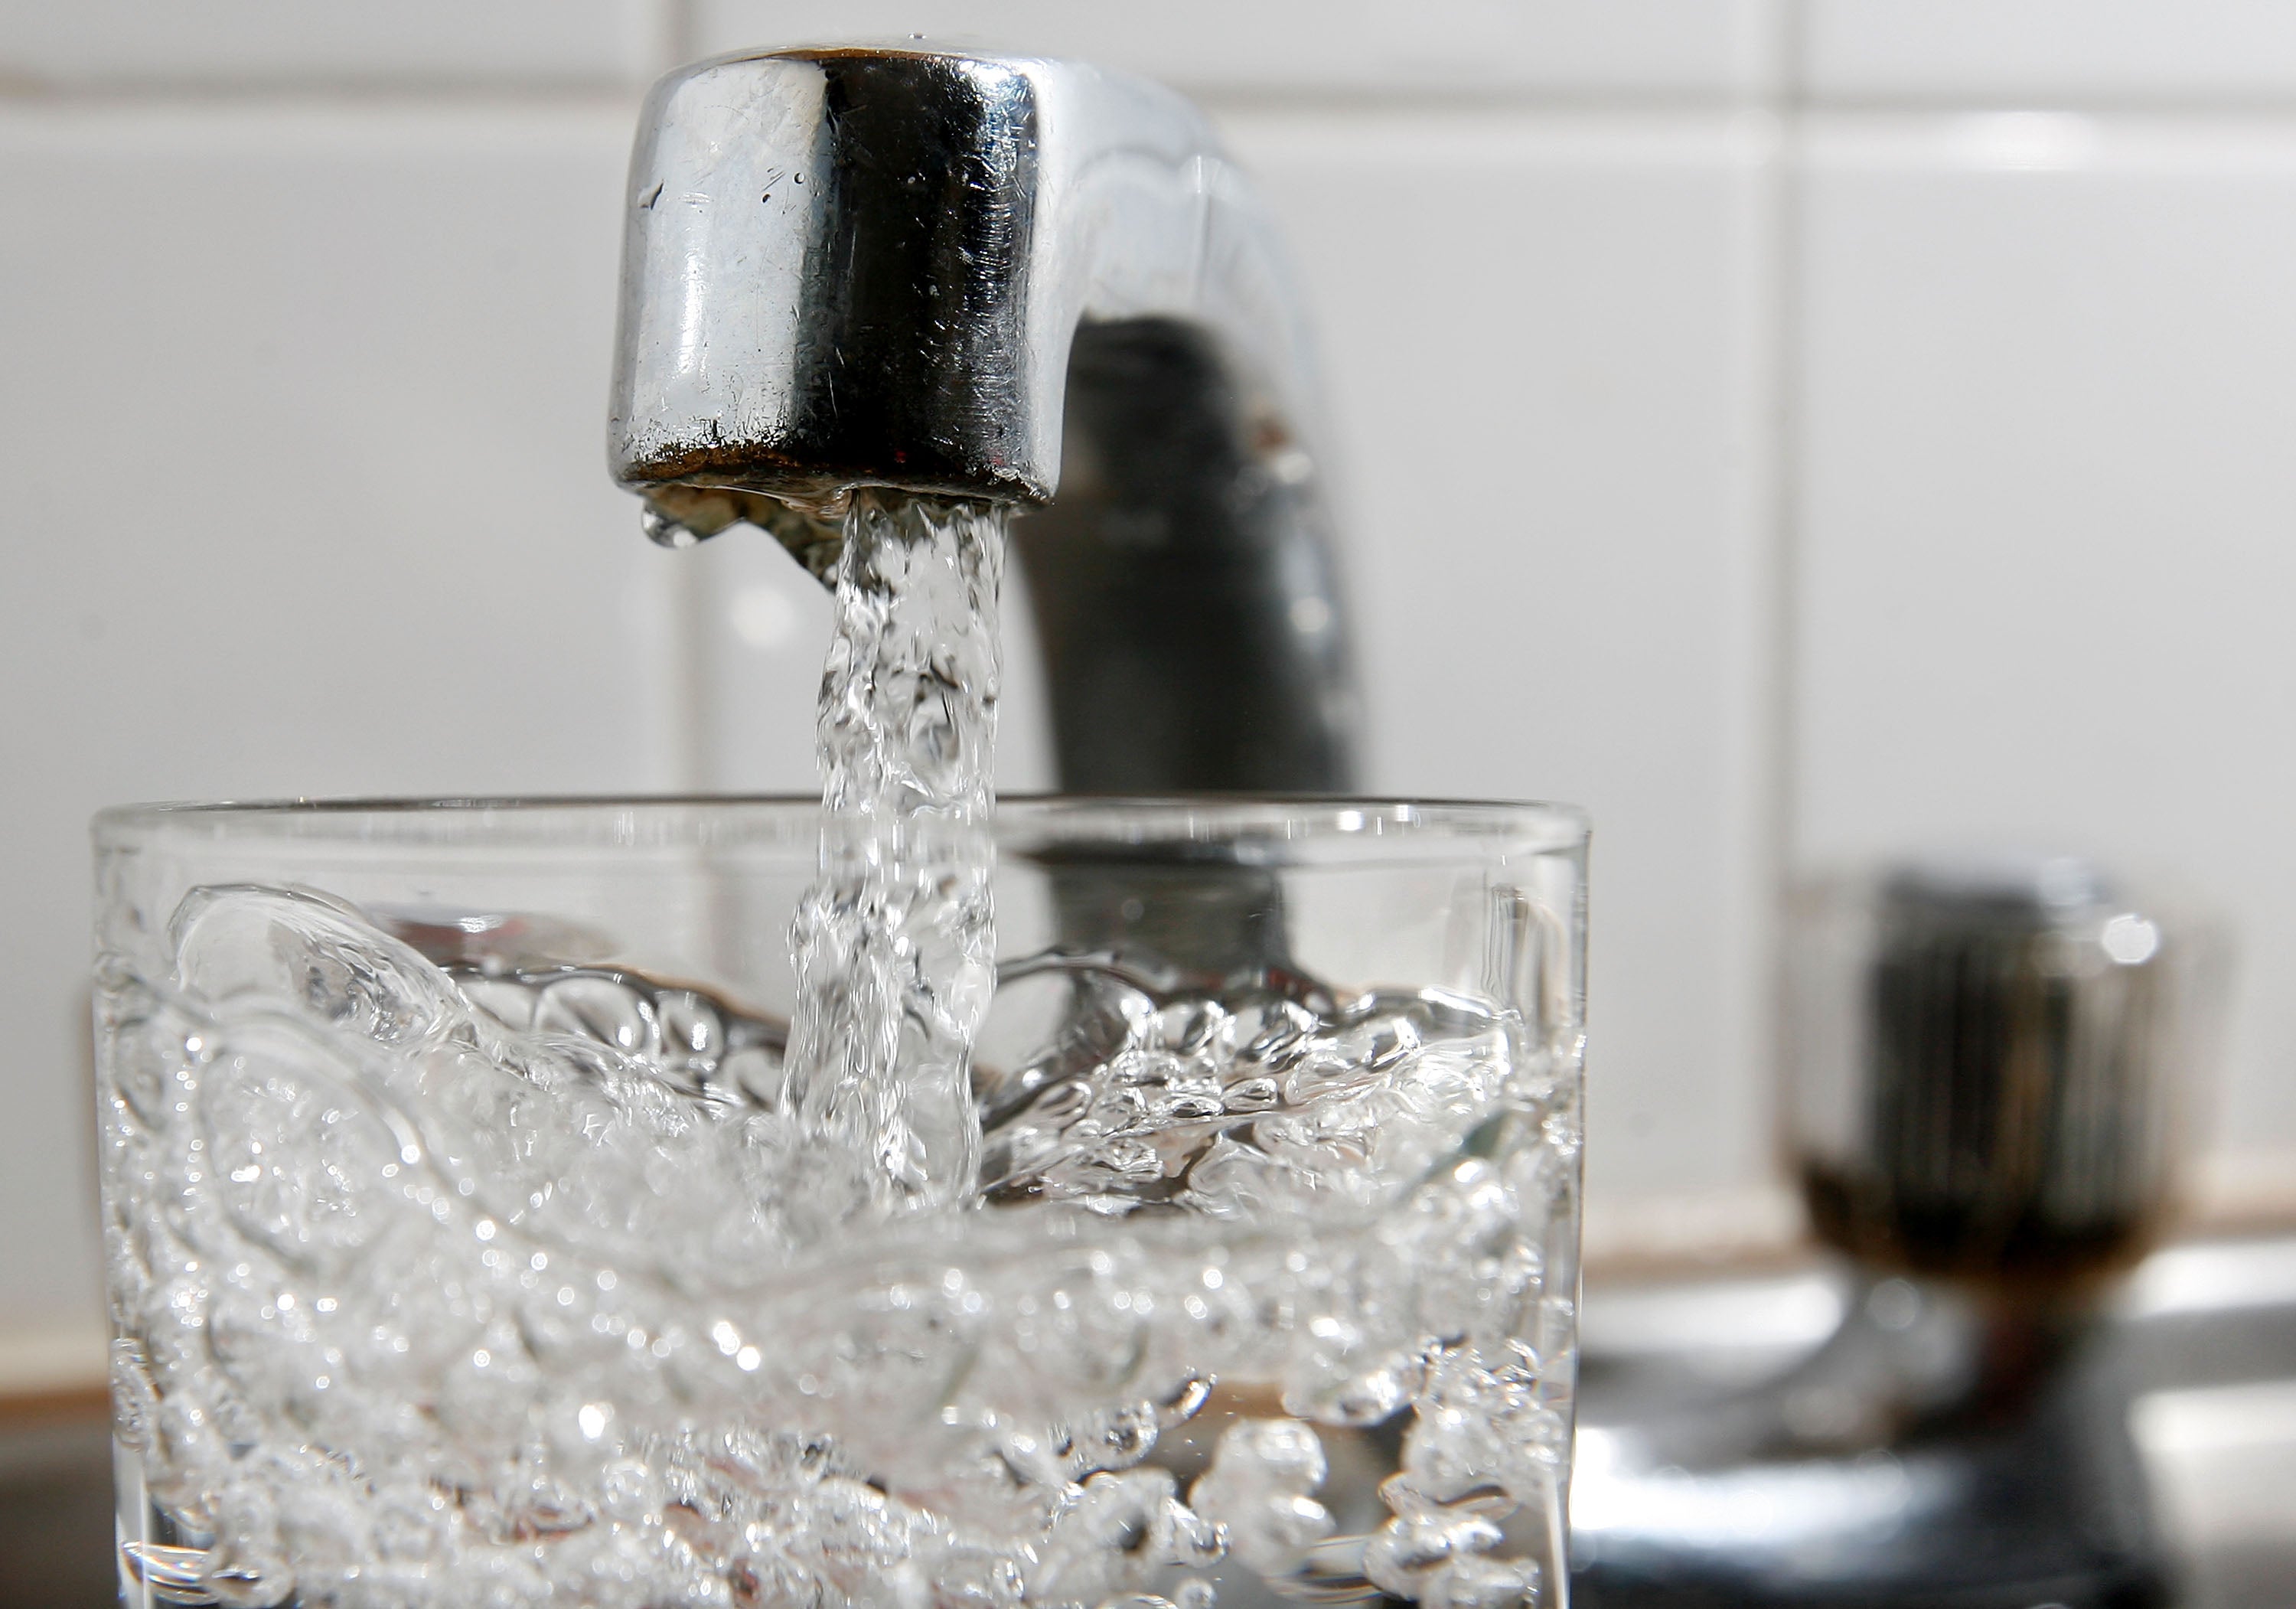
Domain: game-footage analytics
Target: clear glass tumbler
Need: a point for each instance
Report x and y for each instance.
(463, 1249)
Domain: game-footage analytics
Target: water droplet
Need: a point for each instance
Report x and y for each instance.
(663, 532)
(597, 1008)
(299, 1152)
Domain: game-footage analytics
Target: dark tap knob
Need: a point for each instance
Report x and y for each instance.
(1986, 1056)
(1983, 1070)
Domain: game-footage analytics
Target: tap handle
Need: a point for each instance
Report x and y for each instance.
(1985, 1054)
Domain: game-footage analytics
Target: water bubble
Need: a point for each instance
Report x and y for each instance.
(409, 1521)
(507, 1001)
(1477, 1580)
(753, 1070)
(1354, 1363)
(1078, 1336)
(325, 1520)
(299, 1155)
(1482, 1424)
(150, 1057)
(1115, 1534)
(628, 1490)
(313, 953)
(133, 1400)
(693, 1031)
(1250, 1095)
(1115, 1438)
(603, 1009)
(1141, 1092)
(178, 1574)
(1186, 1399)
(1259, 1487)
(246, 1568)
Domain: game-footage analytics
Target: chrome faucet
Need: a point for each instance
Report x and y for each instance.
(1009, 279)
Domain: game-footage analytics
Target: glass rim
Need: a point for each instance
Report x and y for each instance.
(1559, 827)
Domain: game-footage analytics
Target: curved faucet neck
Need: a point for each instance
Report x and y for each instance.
(942, 274)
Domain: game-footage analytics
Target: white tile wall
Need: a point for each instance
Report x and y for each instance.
(1544, 363)
(1636, 48)
(2132, 51)
(82, 43)
(302, 397)
(2045, 519)
(305, 494)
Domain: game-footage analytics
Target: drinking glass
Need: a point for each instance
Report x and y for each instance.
(465, 1247)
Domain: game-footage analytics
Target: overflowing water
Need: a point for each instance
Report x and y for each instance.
(448, 1277)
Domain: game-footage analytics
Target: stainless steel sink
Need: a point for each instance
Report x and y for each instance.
(2204, 1334)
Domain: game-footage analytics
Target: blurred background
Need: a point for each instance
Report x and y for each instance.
(1792, 430)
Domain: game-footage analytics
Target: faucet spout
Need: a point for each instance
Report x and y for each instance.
(1011, 279)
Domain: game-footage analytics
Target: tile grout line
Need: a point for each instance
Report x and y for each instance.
(412, 91)
(1783, 332)
(2134, 107)
(416, 95)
